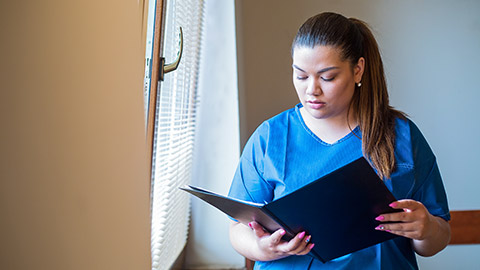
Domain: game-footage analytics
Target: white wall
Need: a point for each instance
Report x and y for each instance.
(74, 181)
(217, 142)
(431, 55)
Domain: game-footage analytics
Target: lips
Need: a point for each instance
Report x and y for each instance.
(315, 104)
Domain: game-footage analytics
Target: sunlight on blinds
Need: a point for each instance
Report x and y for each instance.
(174, 133)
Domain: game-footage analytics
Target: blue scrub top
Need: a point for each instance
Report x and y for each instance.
(283, 154)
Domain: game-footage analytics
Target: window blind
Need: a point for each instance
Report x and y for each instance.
(174, 133)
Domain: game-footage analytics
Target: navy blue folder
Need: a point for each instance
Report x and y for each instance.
(338, 210)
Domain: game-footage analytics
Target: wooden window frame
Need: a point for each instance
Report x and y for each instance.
(154, 85)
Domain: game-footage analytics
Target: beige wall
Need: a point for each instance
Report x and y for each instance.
(265, 30)
(74, 184)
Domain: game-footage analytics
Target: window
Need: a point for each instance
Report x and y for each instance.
(173, 130)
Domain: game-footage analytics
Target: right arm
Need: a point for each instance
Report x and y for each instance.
(256, 244)
(249, 184)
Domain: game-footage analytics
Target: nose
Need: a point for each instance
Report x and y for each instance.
(314, 88)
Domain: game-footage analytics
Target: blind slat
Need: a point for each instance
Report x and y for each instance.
(174, 133)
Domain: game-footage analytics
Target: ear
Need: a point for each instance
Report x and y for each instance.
(358, 70)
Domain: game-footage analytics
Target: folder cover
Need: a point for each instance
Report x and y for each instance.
(338, 210)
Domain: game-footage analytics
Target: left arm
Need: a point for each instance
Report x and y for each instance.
(429, 234)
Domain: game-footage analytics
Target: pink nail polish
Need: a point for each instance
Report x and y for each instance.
(379, 228)
(250, 225)
(380, 218)
(308, 239)
(311, 246)
(393, 204)
(282, 232)
(301, 235)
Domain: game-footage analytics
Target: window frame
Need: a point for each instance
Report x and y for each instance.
(154, 78)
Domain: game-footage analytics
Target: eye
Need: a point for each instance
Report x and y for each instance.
(328, 79)
(301, 78)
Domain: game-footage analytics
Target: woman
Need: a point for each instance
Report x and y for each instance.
(343, 114)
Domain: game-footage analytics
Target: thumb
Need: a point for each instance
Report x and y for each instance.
(257, 229)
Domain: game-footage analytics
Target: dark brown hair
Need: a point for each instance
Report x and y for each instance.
(370, 103)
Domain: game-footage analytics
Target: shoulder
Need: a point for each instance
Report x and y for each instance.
(280, 120)
(409, 137)
(413, 154)
(405, 178)
(275, 125)
(267, 141)
(404, 128)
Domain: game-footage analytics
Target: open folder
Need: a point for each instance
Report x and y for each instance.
(338, 210)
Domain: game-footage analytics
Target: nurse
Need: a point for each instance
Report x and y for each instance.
(343, 114)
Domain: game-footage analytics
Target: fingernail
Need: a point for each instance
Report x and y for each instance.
(311, 246)
(250, 225)
(380, 218)
(301, 235)
(282, 232)
(308, 239)
(393, 204)
(380, 228)
(388, 231)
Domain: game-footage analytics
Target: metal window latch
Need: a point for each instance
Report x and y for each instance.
(166, 68)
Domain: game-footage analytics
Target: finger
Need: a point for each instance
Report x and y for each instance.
(396, 217)
(407, 234)
(413, 230)
(276, 237)
(302, 245)
(406, 205)
(296, 242)
(397, 227)
(307, 249)
(308, 246)
(257, 229)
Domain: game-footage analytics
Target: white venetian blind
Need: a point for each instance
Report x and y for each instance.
(174, 133)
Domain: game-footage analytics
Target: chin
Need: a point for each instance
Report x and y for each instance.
(316, 114)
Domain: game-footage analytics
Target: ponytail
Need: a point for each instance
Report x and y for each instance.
(375, 116)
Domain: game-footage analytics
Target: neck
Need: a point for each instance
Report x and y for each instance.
(331, 129)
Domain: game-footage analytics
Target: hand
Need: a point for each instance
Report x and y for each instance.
(414, 222)
(275, 248)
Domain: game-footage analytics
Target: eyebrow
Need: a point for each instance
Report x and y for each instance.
(320, 71)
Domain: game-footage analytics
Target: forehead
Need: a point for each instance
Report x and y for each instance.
(318, 55)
